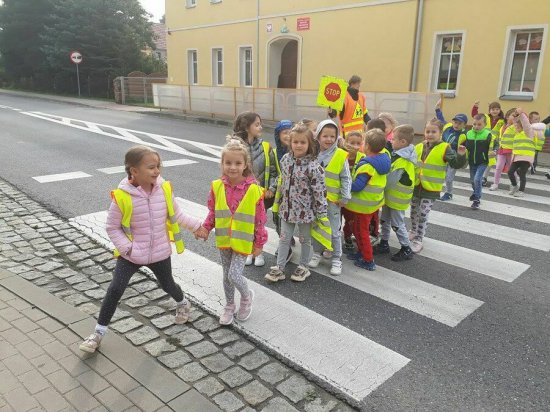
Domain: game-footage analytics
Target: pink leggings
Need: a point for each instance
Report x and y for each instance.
(502, 161)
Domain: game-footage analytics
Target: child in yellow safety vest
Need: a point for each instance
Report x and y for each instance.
(433, 157)
(248, 127)
(301, 202)
(142, 219)
(338, 185)
(505, 143)
(523, 153)
(353, 144)
(236, 211)
(398, 194)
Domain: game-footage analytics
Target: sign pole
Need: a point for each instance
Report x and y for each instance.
(78, 79)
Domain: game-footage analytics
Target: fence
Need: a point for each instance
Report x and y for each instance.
(277, 104)
(137, 90)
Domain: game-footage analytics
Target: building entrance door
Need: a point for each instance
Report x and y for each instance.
(283, 63)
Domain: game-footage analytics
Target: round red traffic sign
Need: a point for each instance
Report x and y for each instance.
(332, 92)
(76, 57)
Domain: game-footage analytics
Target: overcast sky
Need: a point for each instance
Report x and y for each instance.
(155, 7)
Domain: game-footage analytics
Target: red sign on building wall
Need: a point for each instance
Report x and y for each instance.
(303, 23)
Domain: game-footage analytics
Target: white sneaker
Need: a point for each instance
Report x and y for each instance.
(336, 268)
(249, 260)
(513, 189)
(315, 260)
(260, 260)
(519, 193)
(91, 343)
(493, 187)
(416, 246)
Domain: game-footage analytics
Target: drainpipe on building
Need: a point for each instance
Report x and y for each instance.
(257, 43)
(416, 51)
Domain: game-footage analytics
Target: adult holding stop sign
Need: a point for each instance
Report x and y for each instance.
(354, 114)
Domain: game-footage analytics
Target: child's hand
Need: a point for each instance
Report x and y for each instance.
(438, 104)
(519, 111)
(201, 233)
(461, 150)
(268, 194)
(476, 103)
(257, 251)
(341, 203)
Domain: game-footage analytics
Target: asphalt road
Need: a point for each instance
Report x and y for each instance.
(497, 358)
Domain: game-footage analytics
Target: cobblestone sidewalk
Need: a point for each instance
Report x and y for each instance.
(219, 363)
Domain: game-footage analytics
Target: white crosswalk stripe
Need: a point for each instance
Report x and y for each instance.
(543, 200)
(536, 181)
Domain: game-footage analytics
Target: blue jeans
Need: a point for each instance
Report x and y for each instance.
(476, 177)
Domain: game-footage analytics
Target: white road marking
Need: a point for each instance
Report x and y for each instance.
(543, 200)
(304, 337)
(428, 300)
(165, 163)
(494, 231)
(60, 177)
(505, 181)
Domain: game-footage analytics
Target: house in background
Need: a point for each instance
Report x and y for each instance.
(494, 51)
(159, 38)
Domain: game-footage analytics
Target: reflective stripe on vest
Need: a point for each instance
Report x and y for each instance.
(371, 198)
(322, 233)
(354, 111)
(523, 145)
(507, 137)
(399, 197)
(539, 140)
(235, 230)
(432, 171)
(332, 174)
(124, 201)
(265, 146)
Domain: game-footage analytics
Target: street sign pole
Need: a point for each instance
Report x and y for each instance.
(76, 58)
(78, 79)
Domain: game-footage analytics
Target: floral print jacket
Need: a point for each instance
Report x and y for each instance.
(302, 189)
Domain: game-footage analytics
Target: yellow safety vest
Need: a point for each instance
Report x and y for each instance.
(123, 200)
(332, 174)
(507, 137)
(267, 149)
(539, 140)
(523, 145)
(371, 198)
(432, 171)
(399, 197)
(236, 231)
(322, 233)
(495, 134)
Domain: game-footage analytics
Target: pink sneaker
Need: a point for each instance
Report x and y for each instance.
(227, 316)
(182, 313)
(245, 308)
(91, 343)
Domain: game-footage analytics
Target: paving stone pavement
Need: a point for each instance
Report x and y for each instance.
(218, 363)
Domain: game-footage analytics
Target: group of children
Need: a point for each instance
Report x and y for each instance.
(312, 179)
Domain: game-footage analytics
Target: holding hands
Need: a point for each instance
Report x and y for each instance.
(201, 233)
(461, 150)
(257, 251)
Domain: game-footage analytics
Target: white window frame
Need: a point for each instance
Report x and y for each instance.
(436, 60)
(216, 63)
(508, 57)
(242, 65)
(190, 3)
(191, 69)
(215, 1)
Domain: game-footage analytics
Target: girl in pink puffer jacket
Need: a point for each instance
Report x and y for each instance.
(149, 244)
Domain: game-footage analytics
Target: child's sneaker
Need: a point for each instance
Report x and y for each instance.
(336, 267)
(226, 318)
(327, 254)
(493, 187)
(484, 183)
(365, 264)
(416, 246)
(446, 196)
(245, 308)
(381, 248)
(275, 274)
(348, 244)
(475, 205)
(315, 260)
(405, 253)
(300, 274)
(182, 313)
(354, 256)
(547, 174)
(249, 260)
(91, 343)
(519, 193)
(513, 190)
(259, 260)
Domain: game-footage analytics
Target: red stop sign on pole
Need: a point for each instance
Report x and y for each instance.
(332, 92)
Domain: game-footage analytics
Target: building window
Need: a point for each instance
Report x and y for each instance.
(190, 3)
(192, 67)
(217, 67)
(215, 1)
(448, 57)
(246, 66)
(523, 62)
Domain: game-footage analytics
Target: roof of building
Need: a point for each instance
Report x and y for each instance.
(159, 35)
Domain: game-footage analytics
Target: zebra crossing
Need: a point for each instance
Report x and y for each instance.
(361, 364)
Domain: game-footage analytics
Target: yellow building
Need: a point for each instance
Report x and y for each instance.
(468, 50)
